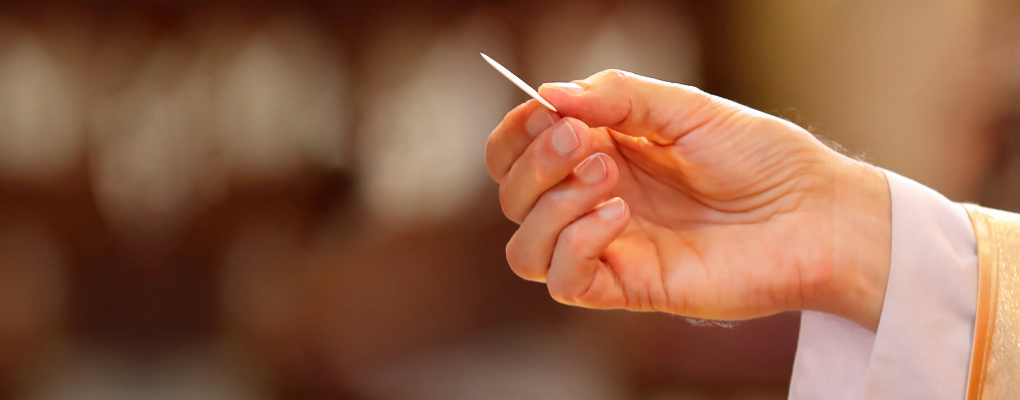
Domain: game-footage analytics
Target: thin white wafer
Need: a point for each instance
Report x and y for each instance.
(517, 81)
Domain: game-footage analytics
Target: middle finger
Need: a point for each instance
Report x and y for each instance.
(547, 161)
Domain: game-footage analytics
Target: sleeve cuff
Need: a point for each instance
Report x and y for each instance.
(922, 347)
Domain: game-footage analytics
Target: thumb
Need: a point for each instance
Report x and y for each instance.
(635, 105)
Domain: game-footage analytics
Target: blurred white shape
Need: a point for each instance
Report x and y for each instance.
(648, 37)
(280, 100)
(153, 165)
(422, 144)
(40, 114)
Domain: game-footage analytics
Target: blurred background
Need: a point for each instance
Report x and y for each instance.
(231, 200)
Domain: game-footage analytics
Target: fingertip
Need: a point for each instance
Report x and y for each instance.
(612, 170)
(596, 169)
(538, 120)
(569, 137)
(613, 210)
(509, 139)
(580, 127)
(577, 275)
(588, 236)
(567, 88)
(561, 95)
(594, 101)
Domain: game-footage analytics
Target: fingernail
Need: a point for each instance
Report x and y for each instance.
(612, 209)
(538, 121)
(569, 87)
(592, 170)
(564, 139)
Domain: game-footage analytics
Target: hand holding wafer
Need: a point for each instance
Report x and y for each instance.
(653, 196)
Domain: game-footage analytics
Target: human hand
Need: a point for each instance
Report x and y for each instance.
(653, 196)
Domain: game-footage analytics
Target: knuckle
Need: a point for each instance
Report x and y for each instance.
(522, 267)
(513, 256)
(694, 90)
(537, 171)
(490, 162)
(513, 116)
(558, 293)
(613, 75)
(765, 123)
(572, 240)
(510, 114)
(505, 203)
(610, 77)
(557, 203)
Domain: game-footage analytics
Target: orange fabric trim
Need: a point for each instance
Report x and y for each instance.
(995, 357)
(985, 316)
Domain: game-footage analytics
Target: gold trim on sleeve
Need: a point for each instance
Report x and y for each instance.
(995, 357)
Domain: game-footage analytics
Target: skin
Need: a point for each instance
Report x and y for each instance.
(646, 195)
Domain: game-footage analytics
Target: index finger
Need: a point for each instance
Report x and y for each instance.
(514, 134)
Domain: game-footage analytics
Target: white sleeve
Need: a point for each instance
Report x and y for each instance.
(922, 348)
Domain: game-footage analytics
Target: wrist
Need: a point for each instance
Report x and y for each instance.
(861, 243)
